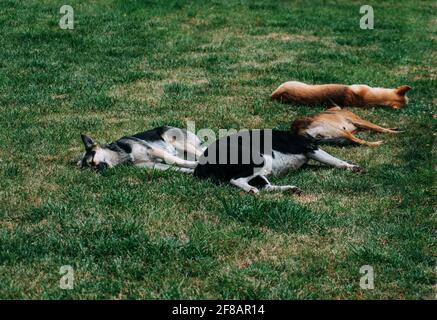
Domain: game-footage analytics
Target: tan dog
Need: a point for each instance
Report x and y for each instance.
(337, 126)
(342, 95)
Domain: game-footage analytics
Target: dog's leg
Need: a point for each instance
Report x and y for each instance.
(189, 143)
(326, 158)
(346, 135)
(199, 150)
(187, 147)
(163, 167)
(293, 189)
(243, 183)
(171, 159)
(273, 188)
(363, 124)
(349, 136)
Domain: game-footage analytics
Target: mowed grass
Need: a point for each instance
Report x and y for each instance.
(133, 233)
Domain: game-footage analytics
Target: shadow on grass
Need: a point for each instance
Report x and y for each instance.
(283, 216)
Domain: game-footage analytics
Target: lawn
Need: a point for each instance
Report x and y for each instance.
(132, 233)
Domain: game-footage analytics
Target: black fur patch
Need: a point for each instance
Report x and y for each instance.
(151, 135)
(102, 166)
(282, 141)
(335, 141)
(126, 147)
(258, 182)
(88, 155)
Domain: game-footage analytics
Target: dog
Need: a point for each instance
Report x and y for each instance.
(161, 148)
(357, 95)
(337, 126)
(246, 159)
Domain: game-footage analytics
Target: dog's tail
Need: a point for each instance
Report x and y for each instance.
(277, 93)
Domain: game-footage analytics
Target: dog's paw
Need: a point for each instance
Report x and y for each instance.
(254, 190)
(357, 169)
(376, 143)
(295, 190)
(396, 130)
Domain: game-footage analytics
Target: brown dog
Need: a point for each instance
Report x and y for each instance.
(342, 95)
(337, 126)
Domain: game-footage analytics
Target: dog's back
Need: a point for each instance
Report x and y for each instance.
(301, 93)
(335, 115)
(343, 95)
(236, 156)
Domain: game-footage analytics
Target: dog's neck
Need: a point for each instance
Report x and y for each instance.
(115, 156)
(375, 96)
(379, 96)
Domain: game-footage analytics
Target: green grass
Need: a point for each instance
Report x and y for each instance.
(131, 233)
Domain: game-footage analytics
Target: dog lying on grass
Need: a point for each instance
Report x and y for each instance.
(160, 148)
(247, 158)
(337, 126)
(342, 95)
(244, 159)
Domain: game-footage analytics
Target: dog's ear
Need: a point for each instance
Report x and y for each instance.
(402, 90)
(88, 142)
(301, 124)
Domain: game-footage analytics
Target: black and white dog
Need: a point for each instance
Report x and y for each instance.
(247, 158)
(160, 148)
